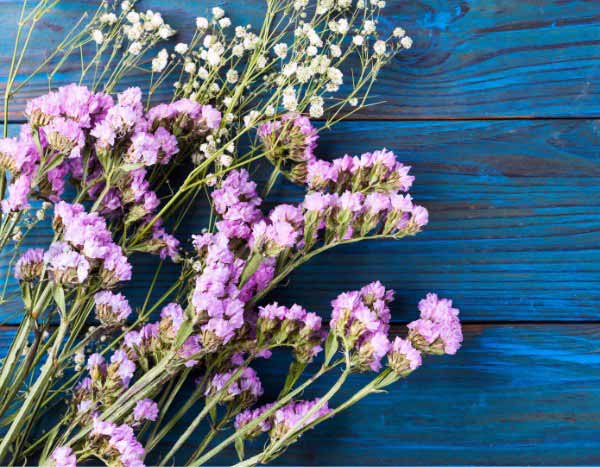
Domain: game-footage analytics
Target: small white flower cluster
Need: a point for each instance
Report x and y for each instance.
(141, 29)
(252, 79)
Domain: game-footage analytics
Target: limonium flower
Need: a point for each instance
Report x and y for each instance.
(248, 415)
(246, 390)
(111, 309)
(63, 457)
(290, 143)
(145, 409)
(403, 358)
(438, 330)
(290, 417)
(29, 265)
(363, 317)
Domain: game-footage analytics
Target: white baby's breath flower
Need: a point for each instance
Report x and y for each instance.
(300, 4)
(406, 42)
(97, 36)
(381, 4)
(315, 111)
(281, 50)
(160, 61)
(108, 18)
(224, 22)
(353, 101)
(290, 101)
(304, 74)
(190, 67)
(342, 26)
(218, 12)
(202, 73)
(261, 62)
(135, 48)
(360, 4)
(229, 117)
(213, 56)
(225, 160)
(125, 6)
(311, 51)
(358, 40)
(270, 111)
(237, 50)
(335, 75)
(157, 20)
(251, 118)
(211, 180)
(379, 47)
(181, 48)
(133, 17)
(201, 22)
(399, 32)
(250, 41)
(335, 51)
(289, 69)
(166, 31)
(232, 76)
(369, 27)
(316, 107)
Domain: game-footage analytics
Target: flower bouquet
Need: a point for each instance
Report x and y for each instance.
(91, 378)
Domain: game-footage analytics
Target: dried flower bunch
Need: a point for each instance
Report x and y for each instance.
(91, 378)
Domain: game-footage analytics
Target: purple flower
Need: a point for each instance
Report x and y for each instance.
(249, 415)
(420, 216)
(438, 330)
(111, 309)
(145, 409)
(403, 357)
(290, 417)
(66, 265)
(64, 457)
(29, 265)
(247, 387)
(18, 194)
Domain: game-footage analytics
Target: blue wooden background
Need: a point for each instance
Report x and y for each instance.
(495, 107)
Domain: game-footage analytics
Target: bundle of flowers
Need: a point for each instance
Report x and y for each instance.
(90, 377)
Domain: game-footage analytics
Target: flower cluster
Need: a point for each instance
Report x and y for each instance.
(289, 144)
(245, 390)
(30, 264)
(117, 443)
(86, 246)
(111, 309)
(293, 417)
(294, 327)
(438, 330)
(362, 318)
(105, 148)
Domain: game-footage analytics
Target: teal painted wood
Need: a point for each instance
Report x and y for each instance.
(513, 395)
(476, 58)
(514, 232)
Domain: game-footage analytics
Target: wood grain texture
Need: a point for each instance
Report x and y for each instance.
(513, 395)
(475, 58)
(514, 232)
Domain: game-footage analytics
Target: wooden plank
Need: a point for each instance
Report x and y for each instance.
(514, 232)
(470, 59)
(513, 395)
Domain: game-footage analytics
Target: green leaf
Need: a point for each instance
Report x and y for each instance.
(295, 371)
(239, 448)
(59, 298)
(213, 413)
(331, 347)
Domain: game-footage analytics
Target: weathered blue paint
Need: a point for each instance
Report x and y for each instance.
(490, 58)
(514, 233)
